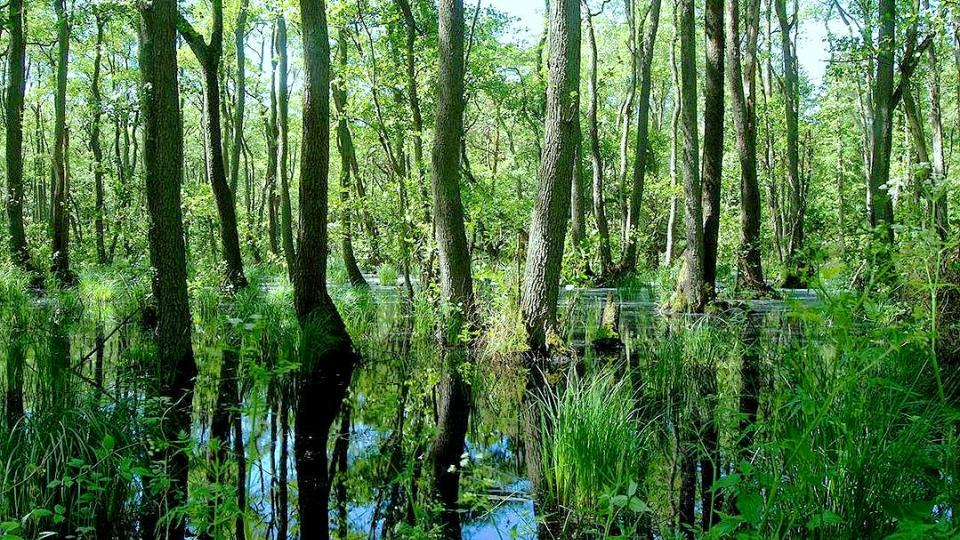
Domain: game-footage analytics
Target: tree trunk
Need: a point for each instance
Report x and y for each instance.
(938, 202)
(272, 148)
(286, 212)
(791, 92)
(577, 210)
(743, 95)
(16, 84)
(712, 141)
(881, 213)
(95, 148)
(208, 55)
(326, 353)
(413, 100)
(629, 259)
(456, 282)
(345, 145)
(541, 282)
(625, 118)
(240, 101)
(692, 293)
(163, 166)
(61, 185)
(670, 251)
(599, 204)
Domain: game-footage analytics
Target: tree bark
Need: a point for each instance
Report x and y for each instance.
(95, 147)
(16, 85)
(163, 166)
(413, 100)
(670, 252)
(881, 213)
(541, 282)
(346, 148)
(743, 95)
(692, 293)
(629, 260)
(596, 160)
(713, 112)
(208, 55)
(327, 355)
(791, 94)
(625, 118)
(61, 184)
(456, 282)
(240, 101)
(938, 202)
(577, 210)
(273, 132)
(286, 212)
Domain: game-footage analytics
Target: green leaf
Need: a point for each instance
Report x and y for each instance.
(637, 506)
(108, 442)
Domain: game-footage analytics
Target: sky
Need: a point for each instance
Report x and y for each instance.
(812, 50)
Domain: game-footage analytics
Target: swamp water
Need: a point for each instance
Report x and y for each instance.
(779, 418)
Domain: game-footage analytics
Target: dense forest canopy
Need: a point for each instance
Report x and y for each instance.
(390, 268)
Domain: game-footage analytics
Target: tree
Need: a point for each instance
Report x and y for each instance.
(96, 149)
(327, 358)
(742, 76)
(791, 94)
(240, 101)
(881, 211)
(61, 185)
(692, 288)
(541, 281)
(456, 282)
(596, 160)
(628, 261)
(713, 111)
(16, 85)
(208, 55)
(272, 134)
(283, 101)
(938, 203)
(413, 99)
(163, 166)
(347, 157)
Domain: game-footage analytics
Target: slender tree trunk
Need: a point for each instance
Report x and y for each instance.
(541, 282)
(413, 100)
(713, 112)
(625, 118)
(345, 145)
(272, 148)
(61, 185)
(881, 214)
(692, 293)
(791, 92)
(95, 148)
(629, 260)
(456, 282)
(16, 85)
(672, 222)
(938, 203)
(163, 169)
(743, 95)
(599, 204)
(577, 210)
(286, 212)
(208, 55)
(240, 101)
(327, 354)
